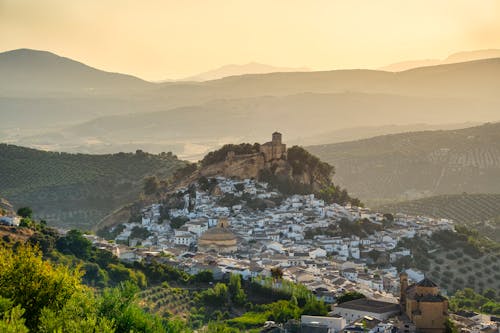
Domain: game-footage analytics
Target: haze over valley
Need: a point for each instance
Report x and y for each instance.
(250, 166)
(55, 103)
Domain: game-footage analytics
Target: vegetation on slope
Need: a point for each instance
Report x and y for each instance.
(77, 189)
(412, 165)
(64, 304)
(220, 154)
(455, 260)
(467, 299)
(171, 300)
(462, 208)
(479, 211)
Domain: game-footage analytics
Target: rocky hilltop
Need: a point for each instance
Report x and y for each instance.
(290, 170)
(287, 170)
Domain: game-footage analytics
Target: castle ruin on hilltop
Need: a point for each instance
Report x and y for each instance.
(274, 149)
(272, 153)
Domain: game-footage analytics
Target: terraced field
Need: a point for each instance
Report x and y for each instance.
(167, 301)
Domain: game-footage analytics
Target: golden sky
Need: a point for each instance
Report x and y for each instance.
(157, 40)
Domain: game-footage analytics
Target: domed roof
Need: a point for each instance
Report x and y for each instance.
(217, 234)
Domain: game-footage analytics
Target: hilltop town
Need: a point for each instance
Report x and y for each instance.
(290, 235)
(225, 219)
(230, 225)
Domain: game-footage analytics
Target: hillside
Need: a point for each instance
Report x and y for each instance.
(413, 165)
(480, 211)
(365, 132)
(42, 106)
(5, 206)
(76, 190)
(34, 70)
(455, 260)
(462, 208)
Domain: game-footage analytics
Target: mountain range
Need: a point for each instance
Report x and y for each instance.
(250, 68)
(453, 58)
(55, 103)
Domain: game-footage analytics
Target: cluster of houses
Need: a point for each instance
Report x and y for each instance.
(287, 233)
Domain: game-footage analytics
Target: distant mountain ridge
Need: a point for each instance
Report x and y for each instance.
(234, 70)
(26, 69)
(73, 107)
(453, 58)
(414, 165)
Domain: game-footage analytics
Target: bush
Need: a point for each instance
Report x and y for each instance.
(178, 222)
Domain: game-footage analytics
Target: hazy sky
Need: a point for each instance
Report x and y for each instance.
(171, 39)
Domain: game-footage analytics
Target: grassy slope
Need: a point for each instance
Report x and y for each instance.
(76, 189)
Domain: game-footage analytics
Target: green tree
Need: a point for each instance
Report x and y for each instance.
(237, 293)
(34, 284)
(13, 322)
(75, 243)
(277, 273)
(203, 276)
(151, 185)
(25, 212)
(490, 293)
(79, 314)
(26, 222)
(313, 307)
(282, 311)
(118, 304)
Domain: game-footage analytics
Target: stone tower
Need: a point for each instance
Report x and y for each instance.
(276, 138)
(403, 285)
(274, 149)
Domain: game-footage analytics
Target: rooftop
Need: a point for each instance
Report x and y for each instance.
(369, 305)
(426, 283)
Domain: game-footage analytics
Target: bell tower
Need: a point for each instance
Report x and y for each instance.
(403, 285)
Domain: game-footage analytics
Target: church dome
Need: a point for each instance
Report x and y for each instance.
(217, 234)
(219, 239)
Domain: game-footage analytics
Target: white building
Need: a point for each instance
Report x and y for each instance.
(334, 324)
(184, 238)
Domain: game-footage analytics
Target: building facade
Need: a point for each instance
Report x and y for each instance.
(424, 305)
